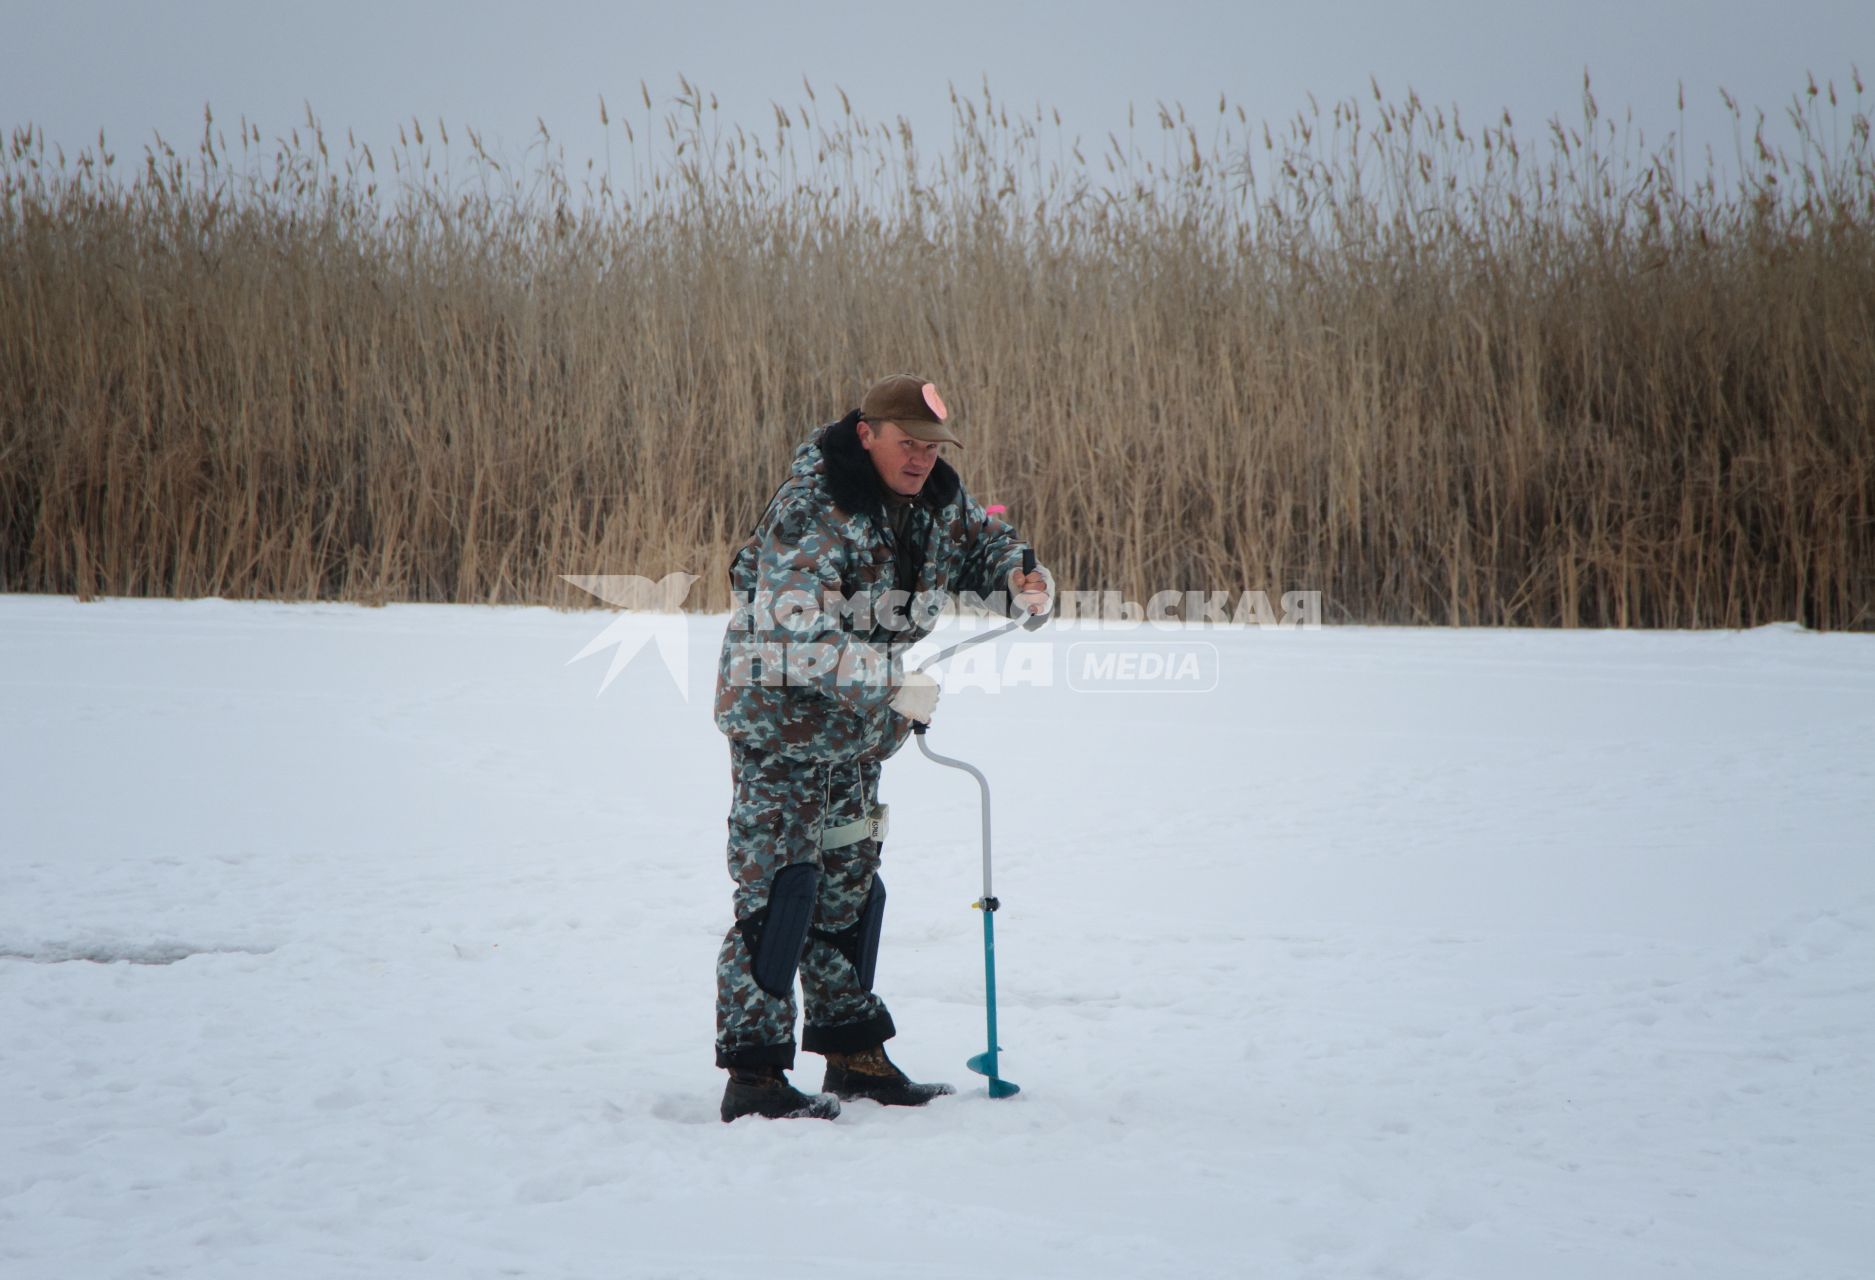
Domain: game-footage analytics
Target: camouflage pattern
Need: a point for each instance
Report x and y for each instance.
(780, 805)
(806, 547)
(807, 737)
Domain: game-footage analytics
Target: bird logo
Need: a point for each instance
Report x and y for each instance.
(653, 615)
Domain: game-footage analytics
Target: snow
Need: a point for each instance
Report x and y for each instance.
(378, 942)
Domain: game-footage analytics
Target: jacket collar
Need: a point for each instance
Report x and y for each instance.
(851, 481)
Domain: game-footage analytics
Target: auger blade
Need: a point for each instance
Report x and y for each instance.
(984, 1064)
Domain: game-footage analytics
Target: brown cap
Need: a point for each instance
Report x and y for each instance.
(911, 402)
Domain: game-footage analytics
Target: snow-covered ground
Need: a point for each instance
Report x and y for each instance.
(343, 942)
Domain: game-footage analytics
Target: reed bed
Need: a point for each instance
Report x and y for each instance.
(1441, 372)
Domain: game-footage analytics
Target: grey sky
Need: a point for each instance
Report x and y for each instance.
(131, 68)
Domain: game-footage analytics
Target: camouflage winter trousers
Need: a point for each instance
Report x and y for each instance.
(780, 807)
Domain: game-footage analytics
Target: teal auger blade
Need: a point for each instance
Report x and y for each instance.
(984, 1064)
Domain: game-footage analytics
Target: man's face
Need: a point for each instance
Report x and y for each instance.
(903, 462)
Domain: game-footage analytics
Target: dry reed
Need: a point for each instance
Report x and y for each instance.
(1441, 373)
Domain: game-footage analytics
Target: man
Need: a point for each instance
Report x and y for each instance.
(859, 546)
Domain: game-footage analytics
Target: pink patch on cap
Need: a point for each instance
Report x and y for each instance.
(932, 398)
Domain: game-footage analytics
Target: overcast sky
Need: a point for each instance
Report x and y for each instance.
(76, 66)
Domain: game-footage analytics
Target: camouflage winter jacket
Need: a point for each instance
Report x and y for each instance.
(807, 661)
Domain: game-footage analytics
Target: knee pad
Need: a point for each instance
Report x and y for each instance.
(871, 921)
(859, 941)
(777, 933)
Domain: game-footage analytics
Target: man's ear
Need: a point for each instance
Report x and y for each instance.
(865, 435)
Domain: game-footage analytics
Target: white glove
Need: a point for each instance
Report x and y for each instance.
(1037, 601)
(917, 697)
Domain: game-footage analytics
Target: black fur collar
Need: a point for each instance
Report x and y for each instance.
(854, 485)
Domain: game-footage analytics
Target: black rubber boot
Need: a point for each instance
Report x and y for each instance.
(870, 1074)
(765, 1091)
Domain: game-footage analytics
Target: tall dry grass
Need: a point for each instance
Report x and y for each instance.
(1441, 373)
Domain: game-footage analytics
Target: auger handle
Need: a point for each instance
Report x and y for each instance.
(1034, 621)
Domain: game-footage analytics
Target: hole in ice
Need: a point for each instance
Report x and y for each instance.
(147, 953)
